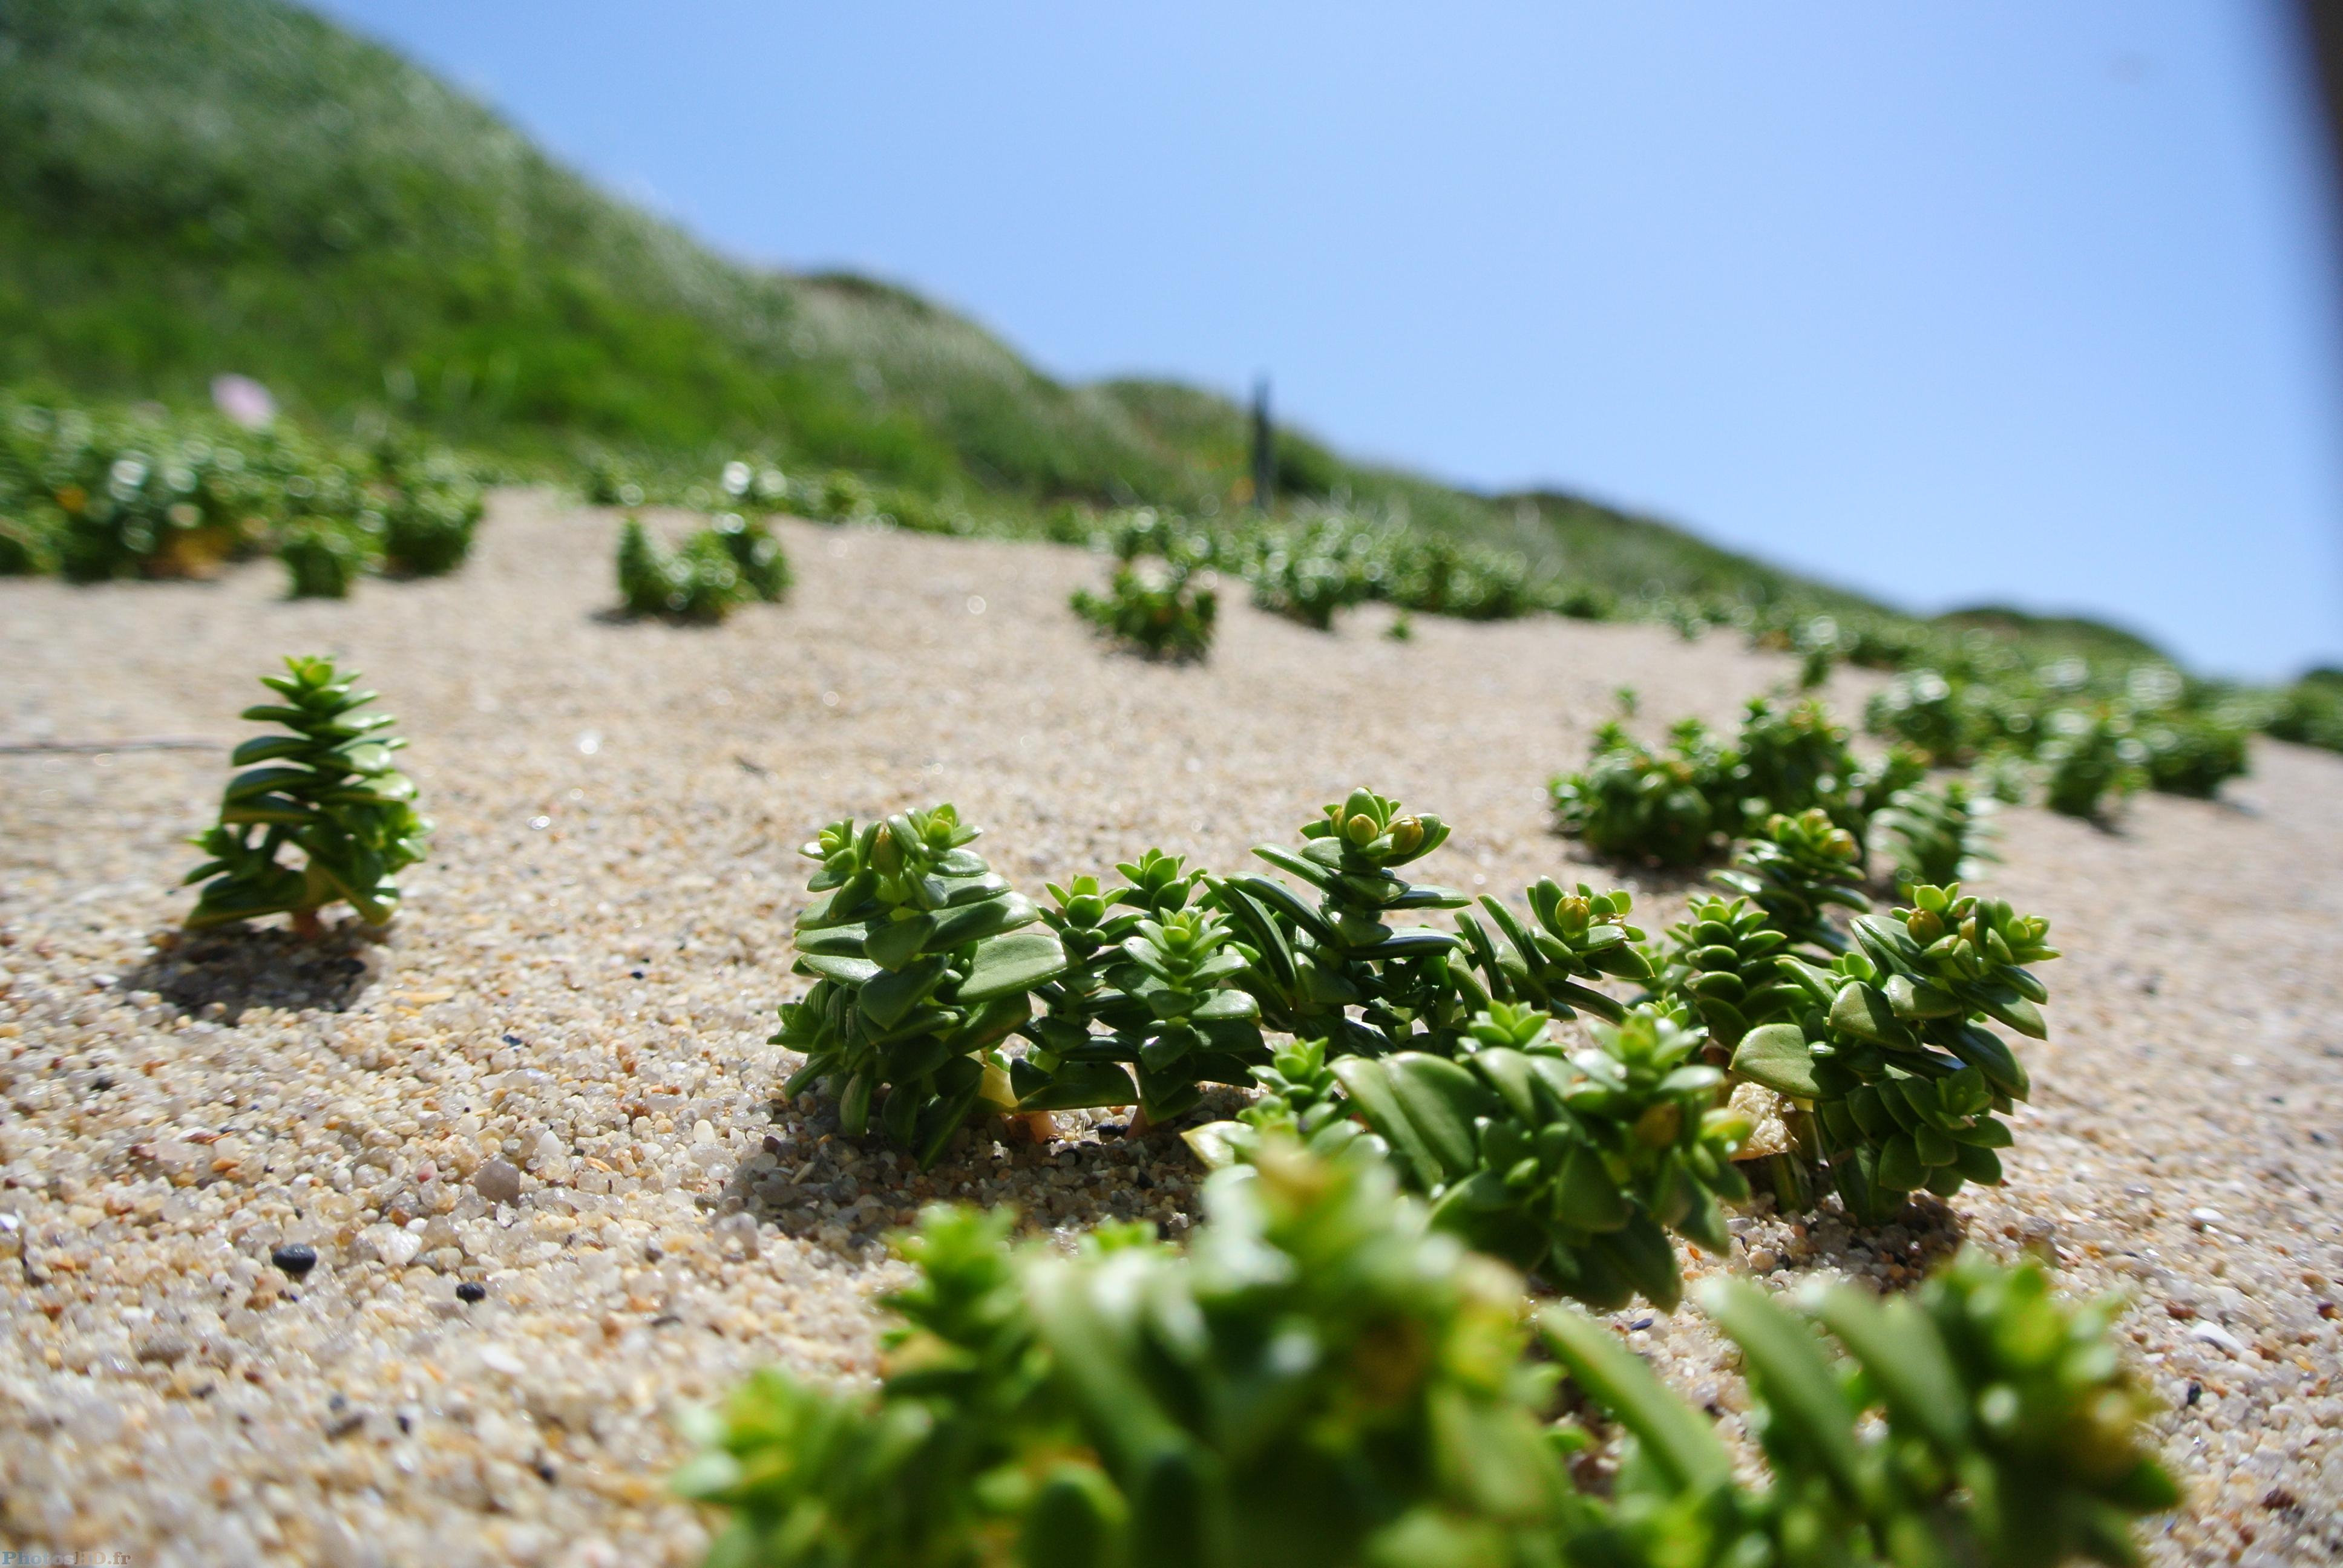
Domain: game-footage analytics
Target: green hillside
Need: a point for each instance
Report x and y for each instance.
(188, 186)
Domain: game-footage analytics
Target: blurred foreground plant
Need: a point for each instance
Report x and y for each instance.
(327, 789)
(1324, 1380)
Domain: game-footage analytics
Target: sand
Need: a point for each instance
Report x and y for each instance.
(588, 968)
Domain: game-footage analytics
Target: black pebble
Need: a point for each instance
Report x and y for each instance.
(637, 973)
(471, 1290)
(296, 1259)
(512, 1040)
(2196, 1392)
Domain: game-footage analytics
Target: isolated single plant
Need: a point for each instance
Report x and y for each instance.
(1934, 836)
(2091, 761)
(1321, 1380)
(1790, 758)
(702, 581)
(1165, 614)
(1888, 1050)
(321, 560)
(1798, 870)
(430, 515)
(921, 968)
(2192, 755)
(325, 787)
(1574, 1165)
(1311, 964)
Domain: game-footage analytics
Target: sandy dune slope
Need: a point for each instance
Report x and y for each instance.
(587, 969)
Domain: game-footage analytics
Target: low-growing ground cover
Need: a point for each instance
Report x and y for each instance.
(504, 1101)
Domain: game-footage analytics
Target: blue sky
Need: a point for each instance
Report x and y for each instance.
(1988, 301)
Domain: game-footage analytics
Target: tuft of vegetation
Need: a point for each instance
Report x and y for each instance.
(1167, 615)
(920, 968)
(95, 493)
(713, 573)
(1887, 1046)
(325, 787)
(1322, 1379)
(2310, 711)
(1310, 965)
(1632, 803)
(1680, 807)
(1934, 835)
(1573, 1165)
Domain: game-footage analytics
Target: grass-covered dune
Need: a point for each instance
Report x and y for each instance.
(188, 186)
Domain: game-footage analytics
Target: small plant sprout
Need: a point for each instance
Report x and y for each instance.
(1578, 938)
(921, 970)
(325, 787)
(1723, 962)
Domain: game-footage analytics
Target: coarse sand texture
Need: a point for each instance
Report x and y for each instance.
(530, 1134)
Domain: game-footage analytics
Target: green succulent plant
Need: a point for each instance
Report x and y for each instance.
(1577, 937)
(2091, 760)
(1797, 872)
(1790, 758)
(1167, 615)
(325, 787)
(1632, 803)
(321, 561)
(1301, 1099)
(1176, 1018)
(1311, 964)
(2192, 756)
(755, 554)
(1934, 836)
(1723, 963)
(702, 581)
(1888, 1047)
(1323, 1379)
(1980, 1422)
(1574, 1165)
(921, 968)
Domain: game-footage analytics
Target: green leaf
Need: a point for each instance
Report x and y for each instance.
(1864, 1011)
(1017, 962)
(1779, 1057)
(1674, 1437)
(1584, 1195)
(1441, 1099)
(962, 924)
(1898, 1349)
(1801, 1391)
(888, 995)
